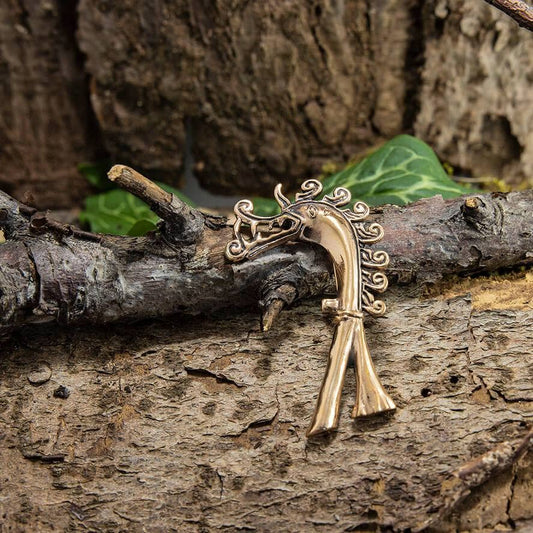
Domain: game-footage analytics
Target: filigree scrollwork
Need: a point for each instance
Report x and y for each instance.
(360, 211)
(374, 259)
(252, 232)
(369, 233)
(371, 305)
(340, 197)
(376, 281)
(310, 190)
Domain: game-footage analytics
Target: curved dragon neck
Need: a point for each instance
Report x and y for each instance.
(331, 230)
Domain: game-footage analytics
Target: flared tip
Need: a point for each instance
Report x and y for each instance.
(316, 430)
(384, 406)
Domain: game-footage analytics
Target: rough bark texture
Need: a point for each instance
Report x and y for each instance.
(476, 103)
(45, 119)
(259, 91)
(266, 88)
(52, 272)
(269, 91)
(198, 424)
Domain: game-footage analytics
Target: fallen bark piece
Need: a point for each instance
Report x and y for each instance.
(56, 272)
(474, 473)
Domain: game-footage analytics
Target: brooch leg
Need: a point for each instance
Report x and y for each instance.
(371, 398)
(326, 416)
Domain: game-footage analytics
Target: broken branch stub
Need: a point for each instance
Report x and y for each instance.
(183, 223)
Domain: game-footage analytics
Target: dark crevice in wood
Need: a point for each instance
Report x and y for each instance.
(414, 64)
(204, 373)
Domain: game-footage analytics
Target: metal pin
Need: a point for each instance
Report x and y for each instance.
(344, 234)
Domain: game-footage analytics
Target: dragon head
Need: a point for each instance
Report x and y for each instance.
(255, 234)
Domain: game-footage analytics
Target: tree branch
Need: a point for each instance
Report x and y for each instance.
(184, 223)
(518, 10)
(52, 272)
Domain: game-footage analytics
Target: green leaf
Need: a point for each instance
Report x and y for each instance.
(118, 212)
(403, 170)
(115, 212)
(96, 174)
(265, 207)
(142, 227)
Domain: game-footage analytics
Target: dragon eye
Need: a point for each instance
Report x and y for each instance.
(312, 211)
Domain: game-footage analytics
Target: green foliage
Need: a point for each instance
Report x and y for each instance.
(403, 170)
(96, 174)
(118, 212)
(265, 206)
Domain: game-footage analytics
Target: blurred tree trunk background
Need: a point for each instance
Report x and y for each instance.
(251, 93)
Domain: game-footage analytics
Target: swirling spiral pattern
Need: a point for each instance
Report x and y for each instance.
(340, 197)
(310, 190)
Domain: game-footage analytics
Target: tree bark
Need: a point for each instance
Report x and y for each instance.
(261, 93)
(54, 272)
(198, 424)
(46, 123)
(253, 93)
(474, 89)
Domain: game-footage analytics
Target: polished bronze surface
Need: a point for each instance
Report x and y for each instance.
(344, 234)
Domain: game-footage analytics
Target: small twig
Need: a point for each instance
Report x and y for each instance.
(518, 10)
(41, 223)
(184, 223)
(476, 472)
(132, 181)
(275, 299)
(271, 313)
